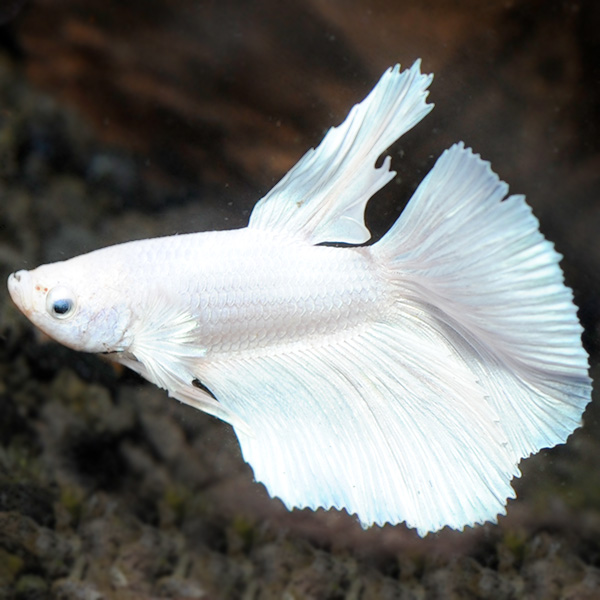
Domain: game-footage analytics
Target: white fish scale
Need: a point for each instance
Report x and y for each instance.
(249, 289)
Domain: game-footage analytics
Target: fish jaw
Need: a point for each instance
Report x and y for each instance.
(20, 288)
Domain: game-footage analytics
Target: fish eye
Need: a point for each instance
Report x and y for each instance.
(60, 302)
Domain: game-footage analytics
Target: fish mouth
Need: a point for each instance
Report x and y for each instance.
(20, 288)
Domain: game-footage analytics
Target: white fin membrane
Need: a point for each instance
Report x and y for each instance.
(323, 197)
(424, 415)
(165, 351)
(475, 258)
(374, 423)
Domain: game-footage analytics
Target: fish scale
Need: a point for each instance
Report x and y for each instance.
(337, 292)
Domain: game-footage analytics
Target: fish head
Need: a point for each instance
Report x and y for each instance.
(74, 303)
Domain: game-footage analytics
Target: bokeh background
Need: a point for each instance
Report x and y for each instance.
(124, 120)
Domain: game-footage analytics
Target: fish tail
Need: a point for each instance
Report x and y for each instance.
(475, 259)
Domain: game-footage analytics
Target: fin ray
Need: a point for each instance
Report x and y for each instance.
(477, 259)
(387, 423)
(323, 197)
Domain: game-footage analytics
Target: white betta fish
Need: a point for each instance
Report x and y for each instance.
(402, 381)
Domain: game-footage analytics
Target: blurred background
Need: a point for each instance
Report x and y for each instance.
(121, 121)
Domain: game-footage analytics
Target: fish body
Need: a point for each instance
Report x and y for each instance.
(241, 291)
(402, 381)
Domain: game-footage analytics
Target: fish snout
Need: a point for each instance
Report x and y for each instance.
(20, 288)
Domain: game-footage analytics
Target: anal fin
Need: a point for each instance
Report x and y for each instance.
(387, 423)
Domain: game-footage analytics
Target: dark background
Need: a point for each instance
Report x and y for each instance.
(127, 120)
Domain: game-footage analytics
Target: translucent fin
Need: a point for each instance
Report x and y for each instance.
(387, 423)
(323, 197)
(201, 400)
(165, 340)
(479, 263)
(164, 350)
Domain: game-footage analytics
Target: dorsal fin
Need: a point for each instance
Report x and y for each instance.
(323, 197)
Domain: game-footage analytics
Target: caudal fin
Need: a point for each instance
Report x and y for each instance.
(477, 261)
